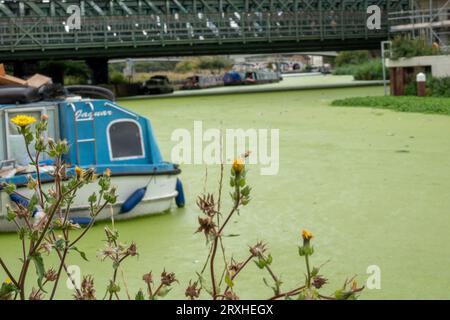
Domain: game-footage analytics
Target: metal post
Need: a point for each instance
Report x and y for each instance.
(431, 21)
(383, 61)
(421, 80)
(413, 9)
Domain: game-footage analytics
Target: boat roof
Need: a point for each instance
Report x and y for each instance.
(44, 103)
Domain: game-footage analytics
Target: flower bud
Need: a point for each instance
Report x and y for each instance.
(238, 166)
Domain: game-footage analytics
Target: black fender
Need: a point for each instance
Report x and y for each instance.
(93, 92)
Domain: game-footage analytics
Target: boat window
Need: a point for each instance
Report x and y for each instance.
(13, 127)
(16, 144)
(125, 140)
(15, 148)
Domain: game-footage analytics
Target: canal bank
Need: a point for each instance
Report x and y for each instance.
(292, 82)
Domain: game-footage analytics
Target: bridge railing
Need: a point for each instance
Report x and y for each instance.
(48, 33)
(418, 16)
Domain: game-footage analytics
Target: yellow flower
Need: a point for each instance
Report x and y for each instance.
(307, 235)
(238, 165)
(22, 120)
(79, 171)
(8, 281)
(107, 172)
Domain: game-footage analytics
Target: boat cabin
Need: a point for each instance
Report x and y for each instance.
(100, 134)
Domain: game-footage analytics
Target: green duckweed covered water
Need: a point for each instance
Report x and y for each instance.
(372, 185)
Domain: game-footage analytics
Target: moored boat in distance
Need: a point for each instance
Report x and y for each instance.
(157, 85)
(102, 135)
(234, 78)
(202, 82)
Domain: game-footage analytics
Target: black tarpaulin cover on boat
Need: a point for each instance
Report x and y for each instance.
(14, 94)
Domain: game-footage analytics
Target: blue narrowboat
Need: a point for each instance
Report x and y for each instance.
(101, 135)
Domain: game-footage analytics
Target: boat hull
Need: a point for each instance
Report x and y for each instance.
(159, 197)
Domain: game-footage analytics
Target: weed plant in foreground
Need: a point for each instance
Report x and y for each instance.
(45, 230)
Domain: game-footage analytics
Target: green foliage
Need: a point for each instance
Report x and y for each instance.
(305, 251)
(359, 64)
(369, 70)
(73, 69)
(433, 105)
(82, 253)
(154, 66)
(117, 78)
(403, 47)
(38, 233)
(436, 87)
(9, 188)
(439, 87)
(40, 269)
(7, 290)
(140, 296)
(214, 63)
(345, 70)
(263, 262)
(204, 63)
(229, 281)
(411, 89)
(144, 66)
(74, 80)
(186, 66)
(116, 67)
(345, 58)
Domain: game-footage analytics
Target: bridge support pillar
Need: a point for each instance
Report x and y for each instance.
(99, 68)
(56, 72)
(24, 69)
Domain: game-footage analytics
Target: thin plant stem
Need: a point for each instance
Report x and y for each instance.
(9, 273)
(308, 277)
(288, 294)
(61, 265)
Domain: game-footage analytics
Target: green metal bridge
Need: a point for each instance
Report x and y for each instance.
(38, 30)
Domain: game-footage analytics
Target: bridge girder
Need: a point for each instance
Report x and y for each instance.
(52, 8)
(168, 27)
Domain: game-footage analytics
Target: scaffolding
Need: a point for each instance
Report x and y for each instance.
(429, 19)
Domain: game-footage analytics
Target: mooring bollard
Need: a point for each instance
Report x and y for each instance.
(421, 80)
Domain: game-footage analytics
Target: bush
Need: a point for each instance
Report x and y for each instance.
(204, 63)
(439, 87)
(436, 87)
(117, 78)
(345, 70)
(433, 105)
(74, 69)
(185, 66)
(74, 80)
(411, 89)
(403, 47)
(369, 70)
(345, 58)
(154, 66)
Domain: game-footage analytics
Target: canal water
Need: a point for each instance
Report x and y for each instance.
(372, 185)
